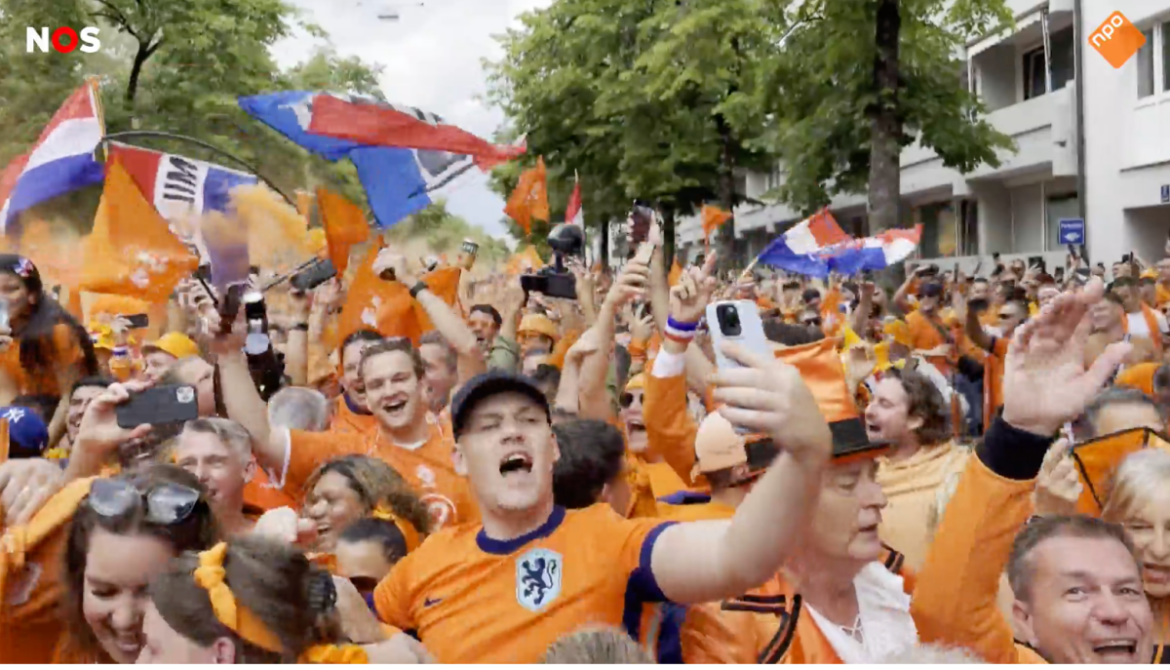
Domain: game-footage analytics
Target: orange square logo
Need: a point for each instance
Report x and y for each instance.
(1117, 39)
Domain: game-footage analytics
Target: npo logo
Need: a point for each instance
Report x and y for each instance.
(63, 40)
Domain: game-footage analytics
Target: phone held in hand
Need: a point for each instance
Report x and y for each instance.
(137, 321)
(313, 276)
(641, 218)
(736, 321)
(157, 405)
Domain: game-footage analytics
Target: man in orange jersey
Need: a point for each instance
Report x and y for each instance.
(351, 414)
(392, 374)
(1077, 582)
(504, 590)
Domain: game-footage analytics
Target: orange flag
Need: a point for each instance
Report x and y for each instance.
(524, 261)
(386, 306)
(345, 225)
(530, 199)
(713, 218)
(131, 250)
(675, 273)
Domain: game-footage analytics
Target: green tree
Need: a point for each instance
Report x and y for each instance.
(442, 232)
(841, 128)
(631, 94)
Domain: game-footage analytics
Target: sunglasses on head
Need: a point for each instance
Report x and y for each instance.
(812, 322)
(166, 504)
(627, 399)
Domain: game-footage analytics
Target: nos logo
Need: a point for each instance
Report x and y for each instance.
(63, 40)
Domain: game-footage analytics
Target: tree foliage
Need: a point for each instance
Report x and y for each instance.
(632, 94)
(176, 67)
(438, 231)
(818, 90)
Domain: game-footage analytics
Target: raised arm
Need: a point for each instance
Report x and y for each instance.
(705, 561)
(446, 320)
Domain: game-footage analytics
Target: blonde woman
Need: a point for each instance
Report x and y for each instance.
(1139, 499)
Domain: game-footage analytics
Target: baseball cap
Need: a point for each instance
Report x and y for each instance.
(27, 433)
(175, 344)
(539, 324)
(488, 384)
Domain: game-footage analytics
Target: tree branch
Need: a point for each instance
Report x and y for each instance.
(120, 18)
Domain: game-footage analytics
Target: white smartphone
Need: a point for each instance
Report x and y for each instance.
(738, 321)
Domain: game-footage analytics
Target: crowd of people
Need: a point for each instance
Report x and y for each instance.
(967, 469)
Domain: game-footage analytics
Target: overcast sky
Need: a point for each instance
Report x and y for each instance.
(432, 58)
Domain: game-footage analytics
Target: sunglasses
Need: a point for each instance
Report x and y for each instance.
(811, 322)
(166, 504)
(627, 399)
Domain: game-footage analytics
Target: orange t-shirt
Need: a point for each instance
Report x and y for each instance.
(924, 335)
(429, 468)
(346, 420)
(261, 495)
(67, 352)
(993, 379)
(472, 599)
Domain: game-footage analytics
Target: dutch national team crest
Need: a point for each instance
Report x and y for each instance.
(538, 578)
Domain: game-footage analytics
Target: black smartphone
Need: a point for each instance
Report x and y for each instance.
(978, 305)
(641, 217)
(160, 404)
(313, 276)
(137, 321)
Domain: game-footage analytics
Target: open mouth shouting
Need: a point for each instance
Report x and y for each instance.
(1120, 650)
(395, 407)
(516, 463)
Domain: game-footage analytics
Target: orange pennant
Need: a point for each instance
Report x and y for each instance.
(530, 199)
(345, 225)
(713, 219)
(131, 250)
(386, 306)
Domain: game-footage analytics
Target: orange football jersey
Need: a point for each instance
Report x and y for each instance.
(472, 599)
(429, 468)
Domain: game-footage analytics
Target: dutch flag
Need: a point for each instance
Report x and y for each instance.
(62, 160)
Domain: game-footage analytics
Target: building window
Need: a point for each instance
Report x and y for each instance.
(939, 231)
(1145, 66)
(1062, 65)
(1165, 55)
(1034, 83)
(969, 239)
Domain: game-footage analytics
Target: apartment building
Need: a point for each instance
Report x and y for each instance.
(1027, 81)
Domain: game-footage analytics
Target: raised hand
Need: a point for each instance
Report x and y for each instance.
(768, 396)
(691, 295)
(1058, 487)
(25, 485)
(1045, 383)
(99, 432)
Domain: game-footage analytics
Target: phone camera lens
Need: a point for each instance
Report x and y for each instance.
(728, 318)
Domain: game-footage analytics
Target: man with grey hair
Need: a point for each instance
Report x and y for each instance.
(219, 453)
(298, 408)
(1119, 408)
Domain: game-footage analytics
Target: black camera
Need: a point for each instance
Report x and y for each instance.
(554, 281)
(728, 317)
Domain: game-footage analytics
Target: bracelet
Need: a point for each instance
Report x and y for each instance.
(680, 332)
(121, 352)
(418, 288)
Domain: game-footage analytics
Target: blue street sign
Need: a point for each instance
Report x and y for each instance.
(1072, 231)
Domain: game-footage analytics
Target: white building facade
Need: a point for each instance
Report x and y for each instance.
(1030, 94)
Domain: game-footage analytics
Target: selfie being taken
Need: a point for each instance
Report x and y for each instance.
(655, 332)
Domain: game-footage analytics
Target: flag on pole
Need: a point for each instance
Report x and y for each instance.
(573, 213)
(398, 181)
(376, 123)
(530, 199)
(799, 248)
(875, 253)
(131, 250)
(345, 225)
(713, 219)
(61, 160)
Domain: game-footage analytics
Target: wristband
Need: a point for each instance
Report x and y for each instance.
(418, 288)
(680, 332)
(121, 352)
